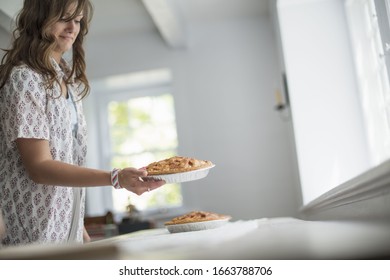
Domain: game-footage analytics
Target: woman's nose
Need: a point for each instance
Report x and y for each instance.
(71, 25)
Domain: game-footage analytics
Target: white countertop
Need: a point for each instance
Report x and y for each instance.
(276, 238)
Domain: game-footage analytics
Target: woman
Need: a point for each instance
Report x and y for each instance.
(43, 130)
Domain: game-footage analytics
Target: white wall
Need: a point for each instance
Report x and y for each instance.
(223, 85)
(5, 38)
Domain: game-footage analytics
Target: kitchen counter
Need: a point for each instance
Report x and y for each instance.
(276, 238)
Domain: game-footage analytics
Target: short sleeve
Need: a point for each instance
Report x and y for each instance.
(25, 115)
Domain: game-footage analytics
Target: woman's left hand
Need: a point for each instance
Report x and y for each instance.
(86, 237)
(2, 225)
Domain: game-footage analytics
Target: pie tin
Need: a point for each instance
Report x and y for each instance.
(197, 226)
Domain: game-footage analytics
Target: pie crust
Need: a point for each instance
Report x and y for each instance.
(176, 164)
(197, 216)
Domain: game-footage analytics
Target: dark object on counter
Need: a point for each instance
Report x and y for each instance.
(130, 225)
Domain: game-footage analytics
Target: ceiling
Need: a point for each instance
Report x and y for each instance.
(169, 17)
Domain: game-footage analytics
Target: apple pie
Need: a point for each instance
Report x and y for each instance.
(176, 164)
(197, 216)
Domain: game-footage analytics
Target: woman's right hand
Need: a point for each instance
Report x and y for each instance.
(131, 179)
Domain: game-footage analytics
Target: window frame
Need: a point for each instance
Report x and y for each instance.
(153, 83)
(383, 14)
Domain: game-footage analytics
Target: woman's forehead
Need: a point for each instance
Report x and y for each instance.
(71, 9)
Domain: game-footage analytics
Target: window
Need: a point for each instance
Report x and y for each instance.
(369, 26)
(143, 130)
(334, 55)
(136, 125)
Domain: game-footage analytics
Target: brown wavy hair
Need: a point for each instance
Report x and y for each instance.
(33, 44)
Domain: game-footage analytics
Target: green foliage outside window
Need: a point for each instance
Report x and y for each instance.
(143, 130)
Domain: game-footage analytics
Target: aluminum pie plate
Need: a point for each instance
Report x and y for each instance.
(181, 177)
(197, 226)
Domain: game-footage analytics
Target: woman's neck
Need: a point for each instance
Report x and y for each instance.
(57, 57)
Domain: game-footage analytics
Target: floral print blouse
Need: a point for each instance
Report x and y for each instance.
(36, 213)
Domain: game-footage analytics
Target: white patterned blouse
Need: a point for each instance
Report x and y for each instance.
(36, 213)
